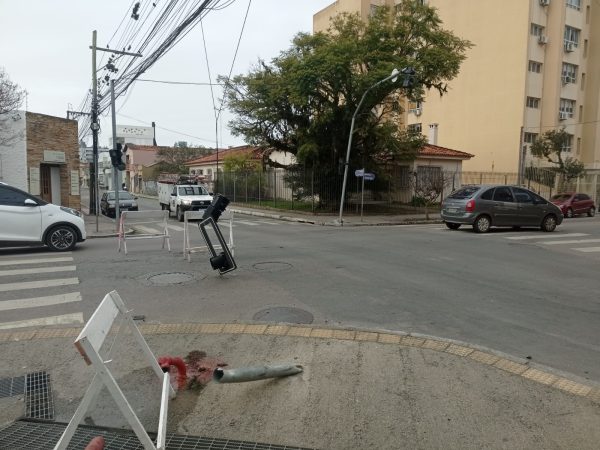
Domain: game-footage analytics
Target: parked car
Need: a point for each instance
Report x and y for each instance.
(572, 203)
(486, 206)
(127, 202)
(26, 220)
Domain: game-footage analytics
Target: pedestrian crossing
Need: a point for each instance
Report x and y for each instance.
(35, 287)
(559, 240)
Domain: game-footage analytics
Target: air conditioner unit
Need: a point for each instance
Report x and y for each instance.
(569, 47)
(418, 112)
(544, 2)
(542, 39)
(563, 115)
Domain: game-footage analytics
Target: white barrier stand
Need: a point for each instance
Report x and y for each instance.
(197, 215)
(88, 343)
(157, 217)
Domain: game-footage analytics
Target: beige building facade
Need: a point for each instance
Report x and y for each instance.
(530, 70)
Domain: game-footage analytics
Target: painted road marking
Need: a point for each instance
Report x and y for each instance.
(268, 223)
(245, 222)
(548, 236)
(14, 262)
(574, 241)
(587, 249)
(38, 284)
(5, 273)
(42, 321)
(33, 255)
(226, 224)
(174, 227)
(24, 303)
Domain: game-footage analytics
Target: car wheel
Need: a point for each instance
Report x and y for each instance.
(592, 212)
(179, 214)
(453, 226)
(482, 224)
(549, 223)
(61, 238)
(569, 213)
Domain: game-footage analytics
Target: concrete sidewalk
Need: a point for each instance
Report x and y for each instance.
(359, 389)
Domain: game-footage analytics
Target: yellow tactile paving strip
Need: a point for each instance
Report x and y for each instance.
(512, 367)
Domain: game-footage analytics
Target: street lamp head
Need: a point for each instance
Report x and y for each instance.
(409, 77)
(395, 73)
(94, 126)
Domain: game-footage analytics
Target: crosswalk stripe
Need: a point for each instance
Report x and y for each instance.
(546, 236)
(64, 319)
(35, 302)
(245, 222)
(14, 262)
(587, 249)
(38, 284)
(5, 273)
(30, 255)
(573, 241)
(175, 227)
(147, 229)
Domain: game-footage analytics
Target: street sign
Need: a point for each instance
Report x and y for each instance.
(359, 172)
(369, 176)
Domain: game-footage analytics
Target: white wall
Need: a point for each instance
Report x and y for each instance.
(13, 156)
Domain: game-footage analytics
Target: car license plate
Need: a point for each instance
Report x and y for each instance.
(451, 210)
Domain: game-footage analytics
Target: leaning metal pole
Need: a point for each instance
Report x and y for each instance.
(255, 373)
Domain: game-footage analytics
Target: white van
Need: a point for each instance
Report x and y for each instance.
(26, 220)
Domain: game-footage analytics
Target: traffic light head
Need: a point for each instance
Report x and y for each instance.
(116, 157)
(216, 208)
(222, 263)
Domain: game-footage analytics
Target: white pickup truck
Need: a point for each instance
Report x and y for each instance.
(179, 198)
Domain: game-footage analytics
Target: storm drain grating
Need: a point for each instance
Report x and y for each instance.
(28, 435)
(38, 396)
(10, 387)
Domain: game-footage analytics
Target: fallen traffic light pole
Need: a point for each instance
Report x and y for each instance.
(223, 261)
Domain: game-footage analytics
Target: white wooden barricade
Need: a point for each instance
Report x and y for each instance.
(157, 218)
(88, 343)
(197, 215)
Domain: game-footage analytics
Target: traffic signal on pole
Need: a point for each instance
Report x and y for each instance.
(216, 208)
(116, 156)
(222, 262)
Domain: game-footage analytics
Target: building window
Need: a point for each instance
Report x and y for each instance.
(535, 66)
(569, 73)
(533, 102)
(566, 147)
(567, 108)
(530, 138)
(572, 36)
(415, 128)
(575, 4)
(428, 175)
(192, 172)
(536, 30)
(415, 107)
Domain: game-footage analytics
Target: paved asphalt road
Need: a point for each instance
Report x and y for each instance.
(526, 293)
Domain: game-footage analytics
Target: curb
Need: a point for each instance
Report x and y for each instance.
(485, 357)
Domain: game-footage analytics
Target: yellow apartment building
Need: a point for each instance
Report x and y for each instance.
(533, 68)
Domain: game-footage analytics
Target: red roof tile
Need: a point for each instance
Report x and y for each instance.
(255, 152)
(433, 151)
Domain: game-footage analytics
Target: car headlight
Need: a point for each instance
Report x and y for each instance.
(186, 202)
(70, 211)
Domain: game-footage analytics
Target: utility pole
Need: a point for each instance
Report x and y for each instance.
(95, 127)
(116, 184)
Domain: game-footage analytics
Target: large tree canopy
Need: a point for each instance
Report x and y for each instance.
(303, 101)
(11, 98)
(551, 146)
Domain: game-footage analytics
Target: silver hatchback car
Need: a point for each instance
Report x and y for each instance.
(486, 206)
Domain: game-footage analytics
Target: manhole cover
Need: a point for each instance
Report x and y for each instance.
(272, 266)
(162, 279)
(284, 314)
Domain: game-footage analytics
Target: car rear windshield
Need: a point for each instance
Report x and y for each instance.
(561, 197)
(123, 195)
(465, 192)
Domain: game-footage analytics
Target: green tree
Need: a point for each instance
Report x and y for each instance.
(551, 146)
(173, 159)
(241, 162)
(303, 101)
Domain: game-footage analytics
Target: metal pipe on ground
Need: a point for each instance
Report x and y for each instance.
(255, 373)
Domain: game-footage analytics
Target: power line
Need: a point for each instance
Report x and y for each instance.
(180, 82)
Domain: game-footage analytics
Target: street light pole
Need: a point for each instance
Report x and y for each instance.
(392, 77)
(95, 127)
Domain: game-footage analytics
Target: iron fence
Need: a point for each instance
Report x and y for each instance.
(395, 189)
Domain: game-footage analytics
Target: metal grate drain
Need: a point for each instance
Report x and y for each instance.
(28, 435)
(10, 387)
(38, 396)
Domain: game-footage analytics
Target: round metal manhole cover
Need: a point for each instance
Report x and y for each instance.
(284, 314)
(272, 266)
(167, 278)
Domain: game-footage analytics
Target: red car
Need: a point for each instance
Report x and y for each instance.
(572, 203)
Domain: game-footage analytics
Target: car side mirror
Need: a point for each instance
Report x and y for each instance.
(29, 202)
(211, 193)
(135, 198)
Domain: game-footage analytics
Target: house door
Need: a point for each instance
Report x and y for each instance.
(45, 186)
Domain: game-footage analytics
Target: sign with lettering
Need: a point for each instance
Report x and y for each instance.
(52, 156)
(34, 181)
(74, 182)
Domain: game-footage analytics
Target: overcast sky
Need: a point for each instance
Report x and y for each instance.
(45, 49)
